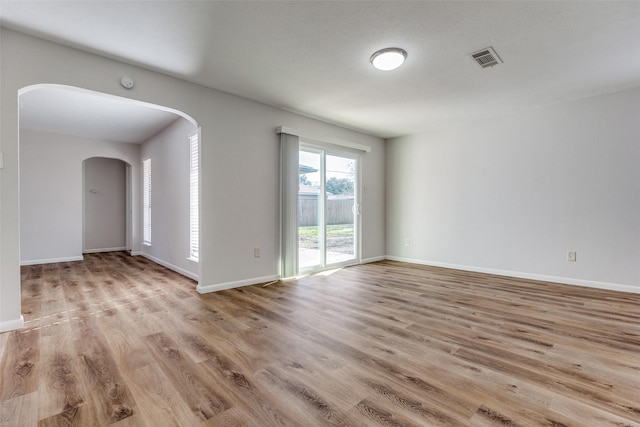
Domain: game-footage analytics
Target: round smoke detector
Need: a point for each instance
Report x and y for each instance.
(126, 82)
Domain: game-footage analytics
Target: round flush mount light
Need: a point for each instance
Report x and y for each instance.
(389, 58)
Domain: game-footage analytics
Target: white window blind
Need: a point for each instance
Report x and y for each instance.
(194, 198)
(146, 201)
(289, 181)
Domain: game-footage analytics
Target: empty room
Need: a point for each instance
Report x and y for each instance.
(318, 213)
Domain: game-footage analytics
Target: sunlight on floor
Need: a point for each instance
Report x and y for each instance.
(328, 272)
(93, 309)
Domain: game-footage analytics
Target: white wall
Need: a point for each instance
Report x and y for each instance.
(169, 154)
(51, 190)
(513, 195)
(239, 155)
(105, 204)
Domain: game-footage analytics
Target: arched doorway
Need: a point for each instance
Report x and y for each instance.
(106, 193)
(61, 127)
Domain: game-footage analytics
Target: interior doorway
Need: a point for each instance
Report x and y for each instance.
(64, 133)
(106, 205)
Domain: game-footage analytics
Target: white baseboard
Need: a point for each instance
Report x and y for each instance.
(51, 260)
(205, 289)
(374, 259)
(170, 266)
(10, 325)
(530, 276)
(95, 251)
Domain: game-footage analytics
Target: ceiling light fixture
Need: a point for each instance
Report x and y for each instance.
(389, 58)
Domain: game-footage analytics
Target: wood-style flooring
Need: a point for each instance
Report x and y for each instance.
(118, 340)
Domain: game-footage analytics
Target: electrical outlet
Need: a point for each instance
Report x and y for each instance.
(406, 242)
(571, 256)
(256, 252)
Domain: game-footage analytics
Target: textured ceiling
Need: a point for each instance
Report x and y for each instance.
(313, 57)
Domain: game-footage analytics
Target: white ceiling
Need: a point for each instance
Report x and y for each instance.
(91, 115)
(312, 57)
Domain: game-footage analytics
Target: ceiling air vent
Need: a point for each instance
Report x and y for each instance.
(486, 57)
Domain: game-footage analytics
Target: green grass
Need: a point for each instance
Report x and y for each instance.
(338, 230)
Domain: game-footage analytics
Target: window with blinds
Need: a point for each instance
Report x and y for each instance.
(194, 199)
(146, 201)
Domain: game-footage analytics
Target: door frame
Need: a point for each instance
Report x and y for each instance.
(128, 202)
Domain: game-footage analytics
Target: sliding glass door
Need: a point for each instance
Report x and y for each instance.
(328, 209)
(310, 210)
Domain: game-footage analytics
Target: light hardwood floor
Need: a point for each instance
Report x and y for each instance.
(118, 340)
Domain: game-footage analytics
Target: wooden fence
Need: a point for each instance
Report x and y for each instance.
(339, 211)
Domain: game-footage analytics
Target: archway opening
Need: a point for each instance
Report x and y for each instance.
(106, 204)
(61, 129)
